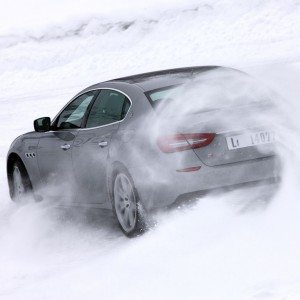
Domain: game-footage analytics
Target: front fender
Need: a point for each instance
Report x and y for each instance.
(25, 148)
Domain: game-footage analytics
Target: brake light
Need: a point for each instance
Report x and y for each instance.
(184, 141)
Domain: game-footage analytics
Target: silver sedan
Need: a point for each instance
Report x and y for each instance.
(144, 142)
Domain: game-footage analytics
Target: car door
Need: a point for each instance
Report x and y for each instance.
(91, 145)
(54, 148)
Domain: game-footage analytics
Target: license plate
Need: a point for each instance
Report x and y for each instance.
(250, 139)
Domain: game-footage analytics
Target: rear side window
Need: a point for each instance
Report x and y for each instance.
(109, 107)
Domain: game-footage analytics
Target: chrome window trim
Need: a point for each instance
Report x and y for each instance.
(75, 97)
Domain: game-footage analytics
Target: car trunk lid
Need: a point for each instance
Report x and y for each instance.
(240, 134)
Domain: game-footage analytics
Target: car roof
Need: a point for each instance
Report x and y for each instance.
(157, 79)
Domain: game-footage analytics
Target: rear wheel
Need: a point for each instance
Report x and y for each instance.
(126, 205)
(20, 184)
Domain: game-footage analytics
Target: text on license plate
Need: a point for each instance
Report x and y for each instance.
(250, 139)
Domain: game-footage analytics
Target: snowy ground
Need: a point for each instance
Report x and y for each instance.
(211, 251)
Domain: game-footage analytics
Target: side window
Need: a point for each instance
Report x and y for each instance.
(72, 115)
(109, 107)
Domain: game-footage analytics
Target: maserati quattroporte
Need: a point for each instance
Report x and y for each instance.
(139, 143)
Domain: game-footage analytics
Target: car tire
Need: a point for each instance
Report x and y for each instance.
(126, 204)
(20, 185)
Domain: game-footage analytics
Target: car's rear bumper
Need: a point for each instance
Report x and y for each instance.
(166, 192)
(266, 189)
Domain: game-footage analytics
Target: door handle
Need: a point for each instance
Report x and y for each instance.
(65, 147)
(103, 144)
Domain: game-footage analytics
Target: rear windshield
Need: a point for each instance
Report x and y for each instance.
(210, 94)
(165, 93)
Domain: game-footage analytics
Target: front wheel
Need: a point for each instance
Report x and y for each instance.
(126, 205)
(20, 184)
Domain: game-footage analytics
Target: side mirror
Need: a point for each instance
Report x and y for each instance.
(42, 124)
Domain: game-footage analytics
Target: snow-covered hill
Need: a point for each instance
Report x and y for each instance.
(212, 251)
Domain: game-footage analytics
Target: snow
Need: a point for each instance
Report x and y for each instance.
(211, 251)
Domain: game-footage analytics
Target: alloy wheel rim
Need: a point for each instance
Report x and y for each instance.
(19, 188)
(125, 202)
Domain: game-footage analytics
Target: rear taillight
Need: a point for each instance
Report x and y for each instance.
(184, 141)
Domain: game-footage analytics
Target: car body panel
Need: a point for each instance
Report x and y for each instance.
(55, 161)
(90, 162)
